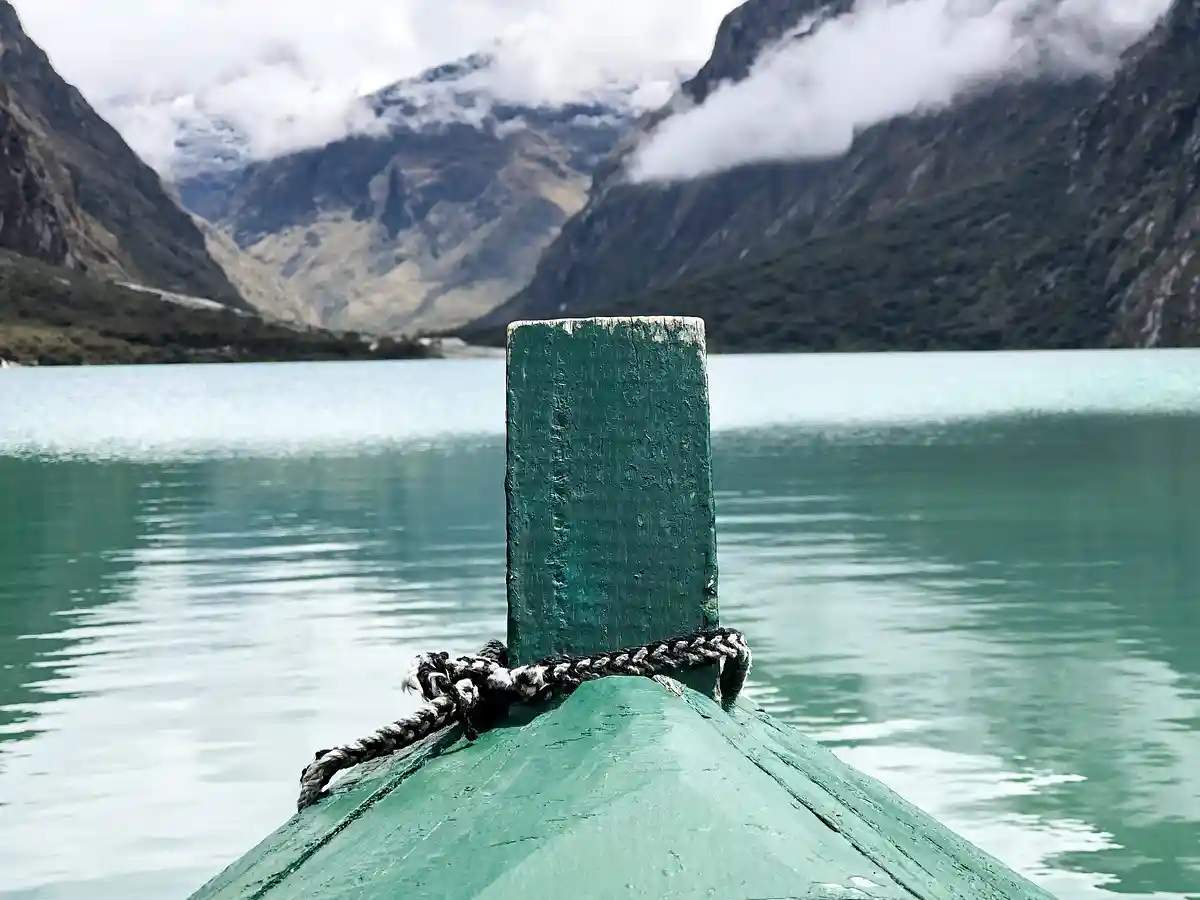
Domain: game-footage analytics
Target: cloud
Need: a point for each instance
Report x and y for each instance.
(275, 75)
(808, 98)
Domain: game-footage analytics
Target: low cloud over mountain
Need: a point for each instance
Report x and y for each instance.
(809, 94)
(285, 74)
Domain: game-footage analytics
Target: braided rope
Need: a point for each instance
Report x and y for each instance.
(456, 689)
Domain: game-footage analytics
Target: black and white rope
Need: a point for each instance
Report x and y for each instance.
(458, 689)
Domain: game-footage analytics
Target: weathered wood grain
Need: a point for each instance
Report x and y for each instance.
(626, 789)
(611, 536)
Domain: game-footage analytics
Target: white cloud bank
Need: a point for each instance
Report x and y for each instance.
(284, 73)
(809, 98)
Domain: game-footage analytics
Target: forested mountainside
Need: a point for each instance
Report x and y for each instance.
(1046, 213)
(51, 316)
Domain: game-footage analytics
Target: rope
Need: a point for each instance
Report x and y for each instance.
(462, 688)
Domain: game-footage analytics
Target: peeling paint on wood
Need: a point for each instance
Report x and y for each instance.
(610, 509)
(625, 789)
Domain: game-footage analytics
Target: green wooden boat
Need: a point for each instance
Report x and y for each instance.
(626, 786)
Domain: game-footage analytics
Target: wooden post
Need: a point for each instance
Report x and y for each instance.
(611, 538)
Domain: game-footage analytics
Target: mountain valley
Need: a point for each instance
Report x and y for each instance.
(1050, 211)
(431, 219)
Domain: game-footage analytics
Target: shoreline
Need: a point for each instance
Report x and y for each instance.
(70, 351)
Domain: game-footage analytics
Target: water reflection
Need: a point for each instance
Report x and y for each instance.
(998, 617)
(255, 610)
(1010, 602)
(64, 541)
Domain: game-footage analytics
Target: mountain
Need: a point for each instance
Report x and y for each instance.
(433, 216)
(1010, 219)
(98, 263)
(1137, 157)
(72, 192)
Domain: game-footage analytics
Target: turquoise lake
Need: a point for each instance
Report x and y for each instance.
(974, 576)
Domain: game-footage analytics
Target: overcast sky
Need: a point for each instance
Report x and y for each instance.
(284, 70)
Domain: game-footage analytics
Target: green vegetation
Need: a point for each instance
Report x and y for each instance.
(1000, 263)
(51, 316)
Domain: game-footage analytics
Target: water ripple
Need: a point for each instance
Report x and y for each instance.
(977, 586)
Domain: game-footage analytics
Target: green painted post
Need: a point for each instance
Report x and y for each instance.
(611, 538)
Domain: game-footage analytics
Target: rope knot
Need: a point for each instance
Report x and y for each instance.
(456, 688)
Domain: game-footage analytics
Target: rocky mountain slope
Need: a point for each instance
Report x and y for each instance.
(1136, 160)
(72, 193)
(432, 218)
(632, 238)
(997, 264)
(1049, 213)
(98, 263)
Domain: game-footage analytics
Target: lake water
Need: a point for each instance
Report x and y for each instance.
(976, 577)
